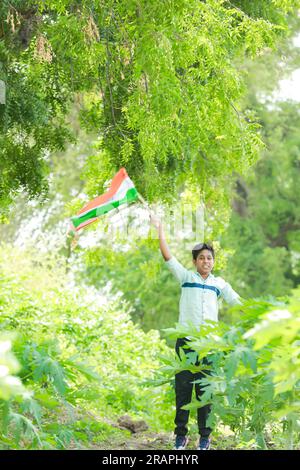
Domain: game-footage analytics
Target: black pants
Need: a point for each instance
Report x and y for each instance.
(183, 390)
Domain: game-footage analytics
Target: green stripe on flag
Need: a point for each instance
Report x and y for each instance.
(130, 196)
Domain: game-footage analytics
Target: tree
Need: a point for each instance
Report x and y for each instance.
(32, 116)
(264, 228)
(161, 88)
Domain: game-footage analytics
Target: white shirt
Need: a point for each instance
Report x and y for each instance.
(199, 297)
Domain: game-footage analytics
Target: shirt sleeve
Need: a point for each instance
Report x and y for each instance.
(176, 268)
(230, 296)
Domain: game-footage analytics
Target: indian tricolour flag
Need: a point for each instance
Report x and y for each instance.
(121, 191)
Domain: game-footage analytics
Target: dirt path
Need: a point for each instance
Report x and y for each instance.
(138, 441)
(131, 435)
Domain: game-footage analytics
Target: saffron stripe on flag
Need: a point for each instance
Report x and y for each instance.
(121, 191)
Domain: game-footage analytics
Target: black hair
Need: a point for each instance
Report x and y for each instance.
(200, 247)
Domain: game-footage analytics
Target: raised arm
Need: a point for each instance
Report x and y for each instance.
(179, 271)
(230, 296)
(165, 251)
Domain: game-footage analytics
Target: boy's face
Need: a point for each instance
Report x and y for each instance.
(204, 262)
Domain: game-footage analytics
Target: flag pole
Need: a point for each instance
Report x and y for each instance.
(145, 204)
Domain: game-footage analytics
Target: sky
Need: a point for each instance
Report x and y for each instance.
(289, 88)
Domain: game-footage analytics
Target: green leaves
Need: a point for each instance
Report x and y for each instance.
(10, 384)
(264, 225)
(47, 368)
(167, 80)
(241, 354)
(254, 368)
(76, 356)
(23, 427)
(280, 330)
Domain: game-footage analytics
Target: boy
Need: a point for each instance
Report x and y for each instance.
(200, 292)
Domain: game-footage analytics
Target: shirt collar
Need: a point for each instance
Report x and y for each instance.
(208, 277)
